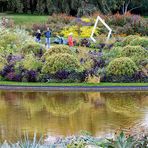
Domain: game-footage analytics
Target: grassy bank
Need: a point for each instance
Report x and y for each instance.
(26, 19)
(71, 84)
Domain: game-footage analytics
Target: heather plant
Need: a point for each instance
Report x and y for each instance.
(30, 76)
(123, 66)
(127, 24)
(63, 18)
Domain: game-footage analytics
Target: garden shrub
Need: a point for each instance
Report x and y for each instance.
(57, 49)
(61, 62)
(115, 52)
(3, 61)
(79, 31)
(136, 53)
(142, 41)
(68, 77)
(8, 39)
(117, 44)
(129, 38)
(30, 62)
(33, 47)
(30, 76)
(123, 66)
(128, 24)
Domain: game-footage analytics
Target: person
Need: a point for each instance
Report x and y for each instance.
(61, 39)
(38, 36)
(47, 36)
(70, 40)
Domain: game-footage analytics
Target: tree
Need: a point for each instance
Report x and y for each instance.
(75, 7)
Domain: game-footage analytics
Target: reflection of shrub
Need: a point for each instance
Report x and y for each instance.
(57, 49)
(59, 62)
(121, 67)
(136, 53)
(143, 41)
(65, 105)
(122, 105)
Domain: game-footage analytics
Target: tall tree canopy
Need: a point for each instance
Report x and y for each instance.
(74, 7)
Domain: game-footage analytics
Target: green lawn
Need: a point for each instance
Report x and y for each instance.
(71, 84)
(26, 19)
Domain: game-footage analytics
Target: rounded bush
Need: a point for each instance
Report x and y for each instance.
(57, 49)
(140, 41)
(136, 53)
(62, 61)
(33, 47)
(121, 67)
(129, 38)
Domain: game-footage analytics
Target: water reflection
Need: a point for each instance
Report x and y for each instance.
(66, 113)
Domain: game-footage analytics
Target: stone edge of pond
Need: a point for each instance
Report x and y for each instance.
(74, 88)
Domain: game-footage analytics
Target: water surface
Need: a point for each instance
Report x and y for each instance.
(67, 113)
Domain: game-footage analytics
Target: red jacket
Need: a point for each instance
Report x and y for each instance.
(70, 41)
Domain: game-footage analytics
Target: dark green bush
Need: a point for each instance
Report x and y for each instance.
(121, 67)
(61, 61)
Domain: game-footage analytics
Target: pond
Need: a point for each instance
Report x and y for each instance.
(67, 113)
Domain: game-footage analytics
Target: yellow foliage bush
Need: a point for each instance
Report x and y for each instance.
(79, 31)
